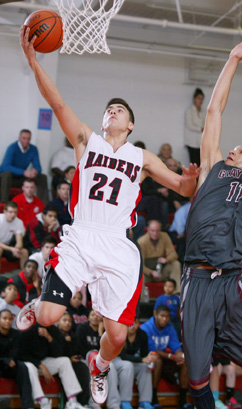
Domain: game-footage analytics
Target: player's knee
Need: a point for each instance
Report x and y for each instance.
(48, 314)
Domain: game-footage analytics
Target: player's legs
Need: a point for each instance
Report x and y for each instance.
(48, 308)
(113, 339)
(197, 309)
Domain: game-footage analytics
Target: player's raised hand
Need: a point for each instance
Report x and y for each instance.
(27, 46)
(192, 172)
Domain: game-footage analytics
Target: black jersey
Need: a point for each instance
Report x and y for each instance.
(214, 224)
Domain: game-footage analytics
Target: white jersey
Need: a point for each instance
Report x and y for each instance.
(106, 185)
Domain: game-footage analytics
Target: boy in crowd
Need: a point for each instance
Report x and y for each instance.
(29, 205)
(42, 256)
(77, 310)
(10, 366)
(172, 301)
(9, 295)
(11, 235)
(27, 282)
(136, 351)
(162, 335)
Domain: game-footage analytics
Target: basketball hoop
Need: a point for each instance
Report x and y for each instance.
(85, 28)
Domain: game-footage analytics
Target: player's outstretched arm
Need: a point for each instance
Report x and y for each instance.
(184, 184)
(210, 145)
(77, 132)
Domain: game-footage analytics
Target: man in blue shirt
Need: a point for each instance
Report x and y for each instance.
(162, 336)
(21, 161)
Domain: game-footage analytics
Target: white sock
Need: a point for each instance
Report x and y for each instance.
(101, 363)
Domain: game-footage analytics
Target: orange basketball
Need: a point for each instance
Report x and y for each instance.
(47, 26)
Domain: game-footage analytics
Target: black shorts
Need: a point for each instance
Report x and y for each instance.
(211, 312)
(54, 289)
(9, 255)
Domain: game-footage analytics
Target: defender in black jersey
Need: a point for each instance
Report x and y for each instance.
(211, 295)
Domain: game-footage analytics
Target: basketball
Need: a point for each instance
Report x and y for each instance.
(46, 25)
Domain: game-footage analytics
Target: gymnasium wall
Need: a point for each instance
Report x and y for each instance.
(155, 86)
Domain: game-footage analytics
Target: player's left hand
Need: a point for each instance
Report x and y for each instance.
(192, 172)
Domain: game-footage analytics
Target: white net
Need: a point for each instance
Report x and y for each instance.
(85, 27)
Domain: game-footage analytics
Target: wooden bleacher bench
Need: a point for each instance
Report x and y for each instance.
(53, 390)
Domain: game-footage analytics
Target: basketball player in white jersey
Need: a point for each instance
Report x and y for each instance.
(95, 250)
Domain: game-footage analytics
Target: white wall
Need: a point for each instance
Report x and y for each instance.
(154, 86)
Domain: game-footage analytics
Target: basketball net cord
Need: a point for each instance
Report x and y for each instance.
(85, 28)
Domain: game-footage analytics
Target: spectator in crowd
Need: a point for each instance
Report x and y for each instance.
(11, 235)
(10, 366)
(177, 229)
(29, 205)
(61, 160)
(44, 224)
(77, 310)
(71, 350)
(48, 243)
(156, 247)
(61, 203)
(136, 351)
(69, 173)
(42, 349)
(27, 282)
(161, 336)
(16, 162)
(172, 301)
(194, 124)
(223, 366)
(174, 165)
(8, 296)
(165, 152)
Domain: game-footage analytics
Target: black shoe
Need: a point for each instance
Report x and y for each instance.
(185, 406)
(157, 406)
(4, 403)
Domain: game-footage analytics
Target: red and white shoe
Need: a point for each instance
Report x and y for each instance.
(99, 383)
(26, 318)
(232, 403)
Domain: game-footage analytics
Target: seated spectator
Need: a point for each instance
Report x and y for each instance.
(161, 335)
(42, 256)
(69, 173)
(61, 160)
(77, 310)
(44, 224)
(156, 247)
(61, 203)
(15, 167)
(11, 235)
(29, 205)
(27, 282)
(136, 351)
(165, 152)
(10, 366)
(223, 366)
(172, 301)
(42, 349)
(9, 295)
(177, 229)
(71, 350)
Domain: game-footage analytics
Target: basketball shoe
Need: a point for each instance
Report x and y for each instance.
(99, 383)
(232, 403)
(26, 317)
